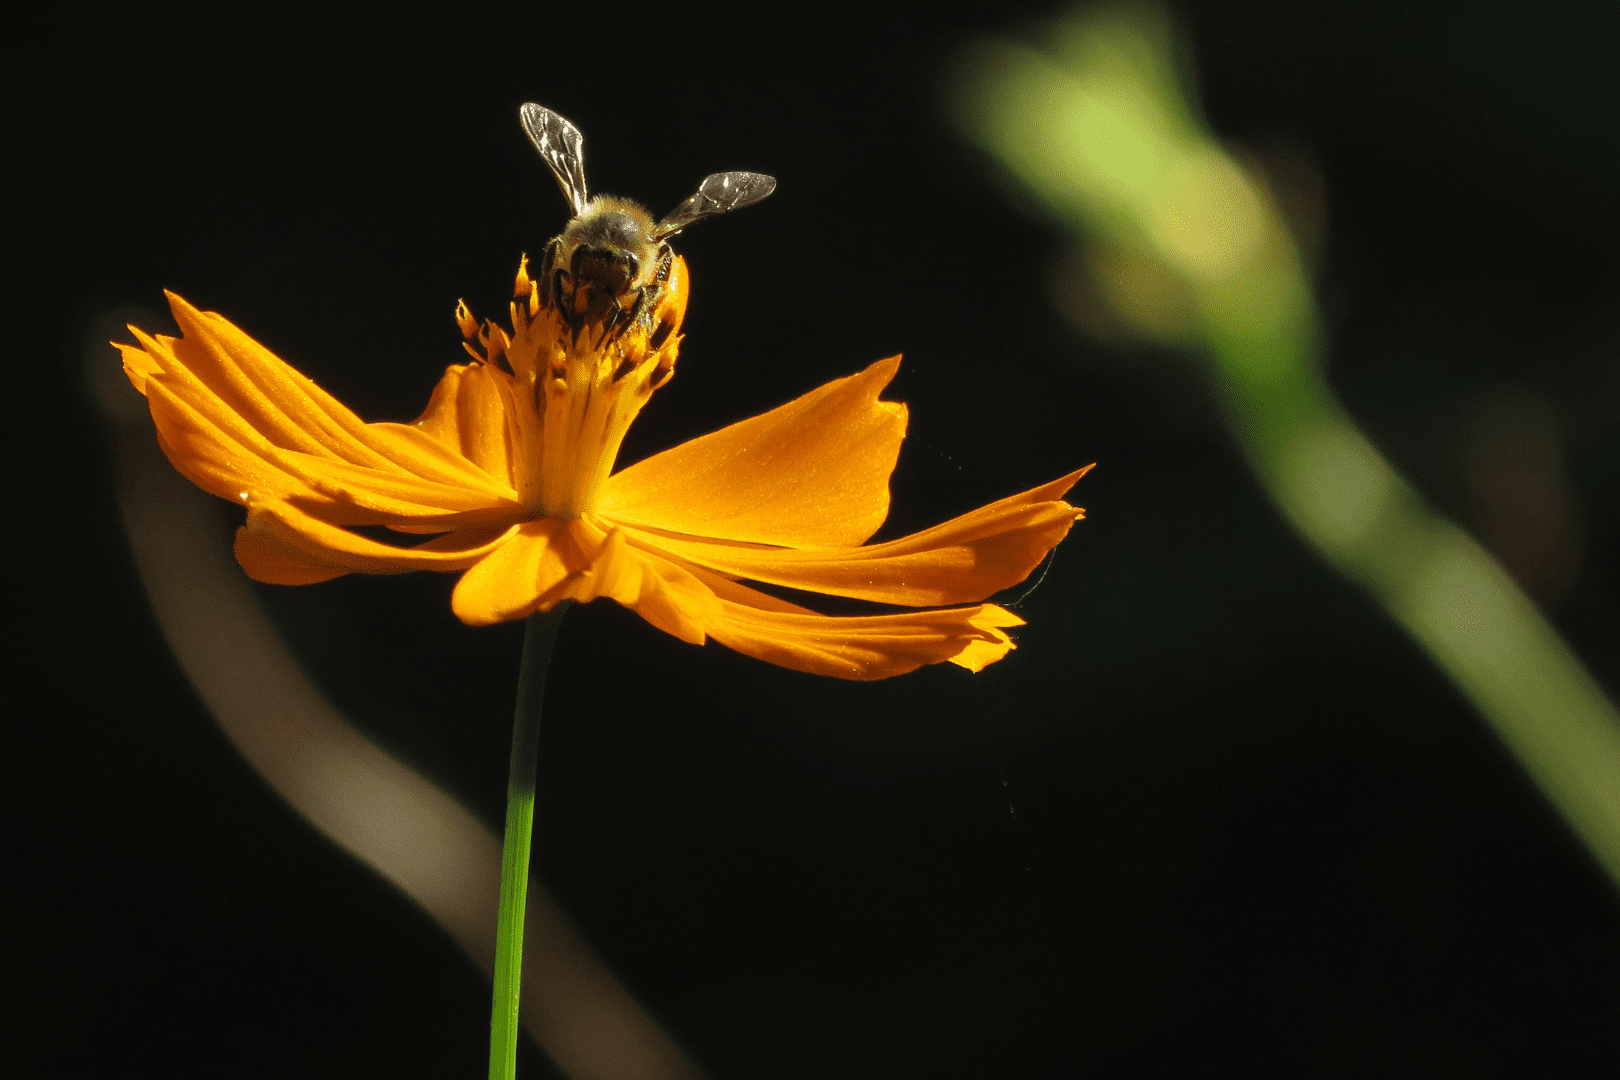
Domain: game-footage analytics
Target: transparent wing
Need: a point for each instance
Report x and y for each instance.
(718, 194)
(562, 147)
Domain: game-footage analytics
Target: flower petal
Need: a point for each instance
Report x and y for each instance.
(664, 594)
(812, 473)
(214, 449)
(467, 413)
(861, 647)
(215, 359)
(239, 422)
(509, 582)
(218, 452)
(964, 560)
(388, 498)
(546, 561)
(283, 545)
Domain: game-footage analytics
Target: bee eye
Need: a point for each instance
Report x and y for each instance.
(579, 255)
(633, 267)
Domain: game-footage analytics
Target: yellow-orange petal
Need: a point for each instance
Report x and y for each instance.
(961, 561)
(546, 561)
(217, 451)
(509, 582)
(283, 545)
(467, 413)
(860, 647)
(139, 365)
(215, 358)
(389, 497)
(291, 412)
(225, 458)
(981, 652)
(234, 418)
(812, 473)
(666, 595)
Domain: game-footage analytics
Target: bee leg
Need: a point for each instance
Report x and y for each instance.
(647, 298)
(567, 291)
(548, 275)
(666, 260)
(633, 315)
(617, 323)
(575, 324)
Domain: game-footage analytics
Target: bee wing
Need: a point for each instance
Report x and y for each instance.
(562, 147)
(718, 194)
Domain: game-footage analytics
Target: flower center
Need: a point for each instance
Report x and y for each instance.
(577, 380)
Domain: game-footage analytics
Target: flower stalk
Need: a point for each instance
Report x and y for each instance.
(540, 635)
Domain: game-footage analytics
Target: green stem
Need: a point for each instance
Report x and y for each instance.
(538, 638)
(1102, 133)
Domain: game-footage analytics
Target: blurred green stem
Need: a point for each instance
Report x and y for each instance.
(539, 635)
(1433, 579)
(1188, 247)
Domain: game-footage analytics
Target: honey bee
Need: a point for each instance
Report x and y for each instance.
(612, 262)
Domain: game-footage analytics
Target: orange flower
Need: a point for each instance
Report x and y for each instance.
(509, 469)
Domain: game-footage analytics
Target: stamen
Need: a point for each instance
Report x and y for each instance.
(660, 335)
(578, 369)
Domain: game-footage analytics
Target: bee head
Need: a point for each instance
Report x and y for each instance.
(609, 246)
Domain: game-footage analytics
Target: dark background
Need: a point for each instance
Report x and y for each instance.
(1214, 814)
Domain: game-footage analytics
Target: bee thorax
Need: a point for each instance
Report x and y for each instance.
(611, 223)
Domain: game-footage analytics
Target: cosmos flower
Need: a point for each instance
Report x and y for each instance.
(509, 471)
